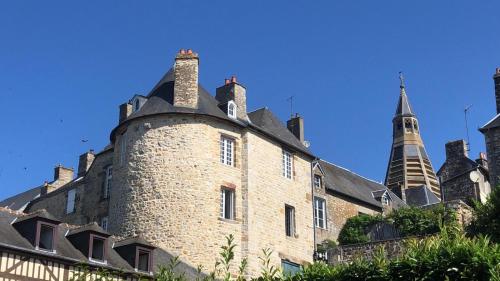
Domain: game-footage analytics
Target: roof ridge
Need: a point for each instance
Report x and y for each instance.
(493, 119)
(363, 177)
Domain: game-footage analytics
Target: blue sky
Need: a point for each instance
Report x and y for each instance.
(65, 66)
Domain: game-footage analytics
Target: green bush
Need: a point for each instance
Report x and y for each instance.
(487, 217)
(356, 228)
(413, 221)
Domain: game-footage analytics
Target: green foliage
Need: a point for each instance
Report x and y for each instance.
(167, 272)
(326, 245)
(356, 228)
(413, 221)
(487, 217)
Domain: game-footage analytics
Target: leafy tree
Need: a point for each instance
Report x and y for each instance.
(413, 221)
(356, 228)
(487, 217)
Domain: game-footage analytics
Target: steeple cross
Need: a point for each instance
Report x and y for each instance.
(401, 79)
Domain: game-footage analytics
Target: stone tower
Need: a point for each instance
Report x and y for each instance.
(409, 165)
(491, 132)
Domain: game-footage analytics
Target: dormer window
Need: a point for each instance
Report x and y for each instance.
(386, 200)
(143, 259)
(97, 248)
(137, 105)
(137, 252)
(231, 109)
(317, 181)
(45, 234)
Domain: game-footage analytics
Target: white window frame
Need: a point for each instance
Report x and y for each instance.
(107, 182)
(287, 162)
(317, 181)
(227, 150)
(231, 109)
(386, 200)
(320, 219)
(70, 203)
(123, 149)
(104, 223)
(224, 192)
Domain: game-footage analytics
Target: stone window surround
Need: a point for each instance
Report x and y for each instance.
(287, 160)
(290, 222)
(232, 189)
(316, 211)
(223, 147)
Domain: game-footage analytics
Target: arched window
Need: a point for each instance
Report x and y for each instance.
(231, 109)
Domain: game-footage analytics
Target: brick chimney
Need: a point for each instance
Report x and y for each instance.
(84, 162)
(496, 78)
(296, 126)
(186, 79)
(456, 150)
(125, 111)
(232, 90)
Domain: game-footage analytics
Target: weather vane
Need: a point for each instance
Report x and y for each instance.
(401, 79)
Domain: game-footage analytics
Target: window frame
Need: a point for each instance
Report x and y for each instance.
(107, 181)
(73, 192)
(290, 222)
(139, 249)
(232, 104)
(104, 222)
(223, 155)
(137, 105)
(317, 218)
(104, 250)
(290, 265)
(39, 225)
(287, 164)
(232, 212)
(319, 183)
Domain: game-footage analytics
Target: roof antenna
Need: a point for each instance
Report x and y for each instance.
(402, 80)
(466, 110)
(290, 99)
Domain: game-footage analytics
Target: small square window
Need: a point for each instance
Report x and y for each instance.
(143, 260)
(97, 248)
(227, 204)
(317, 181)
(289, 221)
(45, 237)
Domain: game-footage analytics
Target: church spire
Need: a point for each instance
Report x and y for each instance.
(409, 169)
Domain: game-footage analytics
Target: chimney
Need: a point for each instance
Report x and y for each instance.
(186, 79)
(84, 162)
(62, 175)
(296, 126)
(125, 111)
(456, 150)
(482, 160)
(232, 90)
(496, 78)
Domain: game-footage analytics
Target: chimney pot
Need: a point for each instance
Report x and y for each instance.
(182, 51)
(296, 126)
(189, 51)
(233, 79)
(226, 81)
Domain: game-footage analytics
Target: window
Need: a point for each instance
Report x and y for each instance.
(385, 199)
(226, 151)
(317, 181)
(104, 223)
(289, 268)
(137, 105)
(143, 260)
(287, 164)
(123, 149)
(289, 221)
(231, 109)
(45, 237)
(107, 182)
(227, 204)
(97, 248)
(70, 203)
(319, 212)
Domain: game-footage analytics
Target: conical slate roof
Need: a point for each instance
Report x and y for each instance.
(404, 107)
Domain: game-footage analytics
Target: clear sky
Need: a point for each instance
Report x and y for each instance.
(65, 66)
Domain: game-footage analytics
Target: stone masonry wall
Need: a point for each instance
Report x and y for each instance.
(348, 253)
(492, 139)
(89, 204)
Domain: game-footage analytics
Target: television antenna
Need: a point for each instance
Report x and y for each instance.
(466, 110)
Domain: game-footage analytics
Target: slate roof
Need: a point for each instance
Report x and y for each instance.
(19, 201)
(347, 183)
(420, 196)
(12, 239)
(160, 101)
(493, 123)
(404, 107)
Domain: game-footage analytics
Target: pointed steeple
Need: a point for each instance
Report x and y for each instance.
(409, 165)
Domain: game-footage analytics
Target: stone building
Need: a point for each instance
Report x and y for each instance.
(409, 172)
(461, 178)
(491, 132)
(340, 194)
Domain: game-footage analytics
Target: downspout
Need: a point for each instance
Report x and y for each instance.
(312, 203)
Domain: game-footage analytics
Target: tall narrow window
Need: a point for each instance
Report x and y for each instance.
(287, 164)
(123, 149)
(319, 212)
(137, 105)
(227, 203)
(70, 203)
(231, 109)
(104, 223)
(97, 248)
(317, 181)
(143, 260)
(45, 239)
(289, 221)
(227, 151)
(107, 182)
